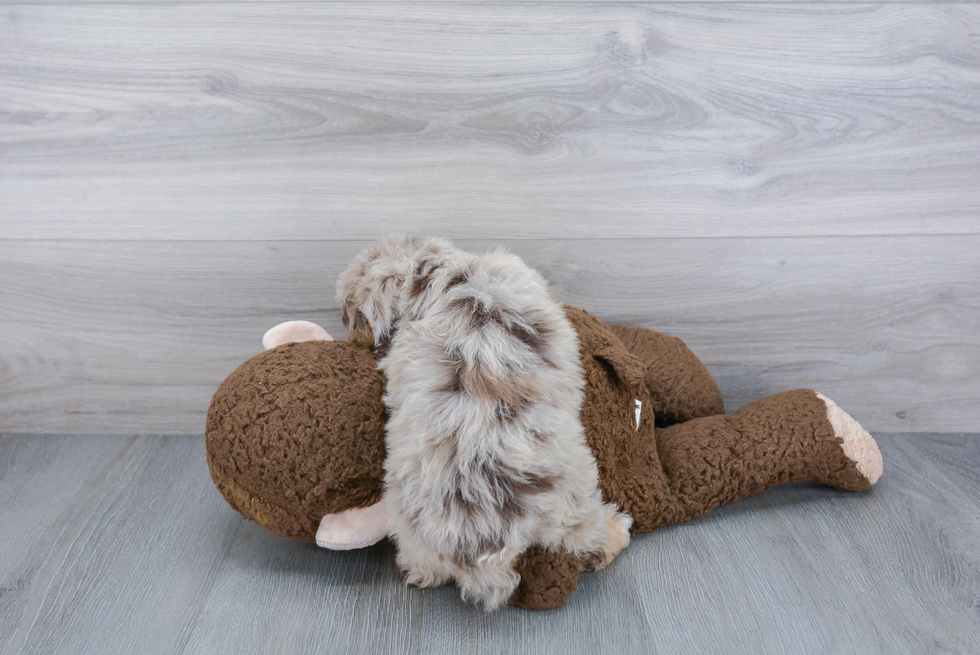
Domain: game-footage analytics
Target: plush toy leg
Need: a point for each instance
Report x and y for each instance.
(789, 437)
(547, 579)
(681, 388)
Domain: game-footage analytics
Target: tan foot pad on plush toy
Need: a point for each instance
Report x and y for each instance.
(859, 446)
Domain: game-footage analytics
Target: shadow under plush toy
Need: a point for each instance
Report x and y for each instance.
(295, 441)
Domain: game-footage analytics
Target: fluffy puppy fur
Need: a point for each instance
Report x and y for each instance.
(486, 453)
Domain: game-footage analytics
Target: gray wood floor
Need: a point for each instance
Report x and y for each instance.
(122, 545)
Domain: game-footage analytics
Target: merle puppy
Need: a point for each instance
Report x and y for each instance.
(486, 453)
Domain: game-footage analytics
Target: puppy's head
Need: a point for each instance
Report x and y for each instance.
(368, 292)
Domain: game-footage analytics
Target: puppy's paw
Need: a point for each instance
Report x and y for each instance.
(618, 535)
(492, 580)
(422, 570)
(617, 531)
(422, 579)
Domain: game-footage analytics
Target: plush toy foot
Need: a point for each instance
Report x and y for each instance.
(859, 446)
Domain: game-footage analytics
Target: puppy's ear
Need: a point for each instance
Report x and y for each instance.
(369, 310)
(358, 327)
(368, 291)
(380, 311)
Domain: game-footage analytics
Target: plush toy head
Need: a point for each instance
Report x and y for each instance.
(295, 442)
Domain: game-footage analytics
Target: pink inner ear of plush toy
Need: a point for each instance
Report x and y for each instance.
(354, 528)
(292, 331)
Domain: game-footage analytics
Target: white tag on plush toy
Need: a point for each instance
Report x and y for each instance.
(639, 406)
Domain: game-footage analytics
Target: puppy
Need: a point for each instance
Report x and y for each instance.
(486, 453)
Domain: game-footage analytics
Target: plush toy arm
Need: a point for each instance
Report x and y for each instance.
(680, 386)
(547, 579)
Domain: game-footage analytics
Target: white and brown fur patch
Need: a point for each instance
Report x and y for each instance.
(486, 453)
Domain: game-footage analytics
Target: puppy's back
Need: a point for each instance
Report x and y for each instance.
(484, 393)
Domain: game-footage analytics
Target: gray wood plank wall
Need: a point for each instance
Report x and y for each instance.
(792, 188)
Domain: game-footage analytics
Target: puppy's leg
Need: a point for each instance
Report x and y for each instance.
(420, 566)
(580, 522)
(617, 530)
(492, 580)
(600, 536)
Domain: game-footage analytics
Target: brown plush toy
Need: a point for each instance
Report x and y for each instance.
(295, 441)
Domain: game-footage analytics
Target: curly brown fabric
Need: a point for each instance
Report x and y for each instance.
(547, 579)
(297, 432)
(680, 386)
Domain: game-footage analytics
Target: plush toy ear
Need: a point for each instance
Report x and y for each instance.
(628, 368)
(291, 331)
(355, 528)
